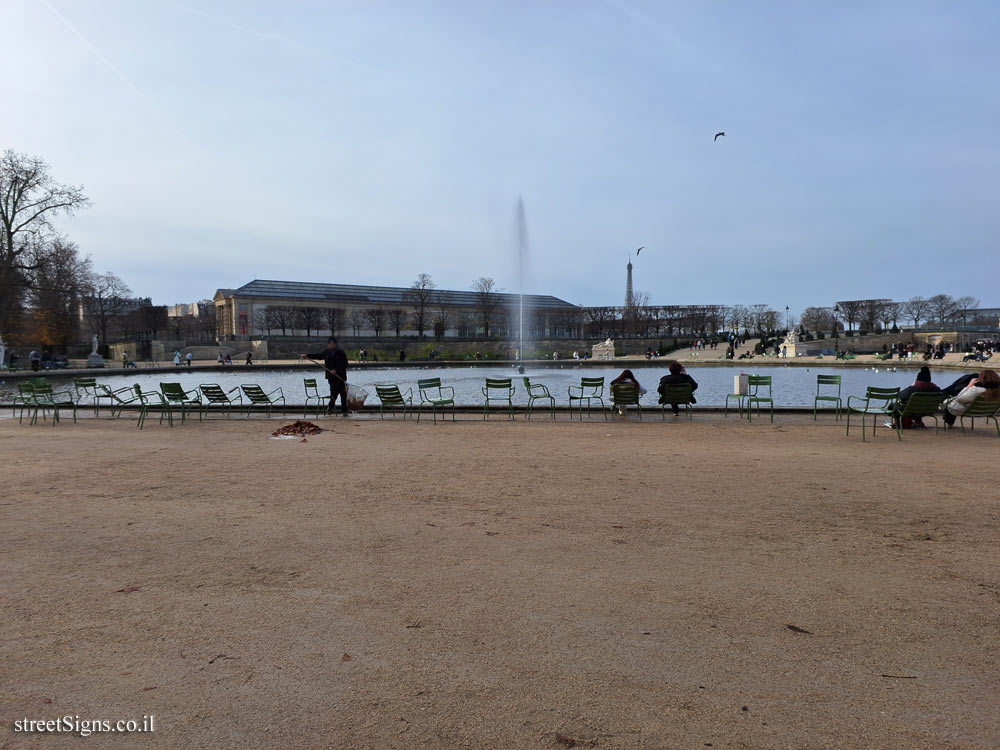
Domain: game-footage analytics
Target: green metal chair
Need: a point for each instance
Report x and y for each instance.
(498, 389)
(25, 396)
(86, 388)
(46, 398)
(740, 398)
(257, 397)
(756, 383)
(390, 398)
(538, 392)
(879, 402)
(175, 396)
(919, 405)
(213, 394)
(590, 389)
(981, 409)
(312, 395)
(432, 393)
(134, 397)
(681, 394)
(624, 395)
(828, 380)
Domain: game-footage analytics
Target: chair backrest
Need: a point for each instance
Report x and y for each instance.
(428, 383)
(822, 380)
(624, 393)
(389, 395)
(172, 391)
(255, 393)
(310, 385)
(499, 384)
(25, 389)
(678, 393)
(756, 382)
(84, 382)
(983, 408)
(595, 386)
(42, 387)
(922, 404)
(213, 393)
(873, 393)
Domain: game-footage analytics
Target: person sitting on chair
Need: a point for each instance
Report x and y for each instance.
(986, 384)
(628, 377)
(922, 384)
(677, 376)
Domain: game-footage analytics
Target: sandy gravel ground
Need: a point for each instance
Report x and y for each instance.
(498, 585)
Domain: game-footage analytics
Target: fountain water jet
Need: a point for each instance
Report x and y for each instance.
(521, 227)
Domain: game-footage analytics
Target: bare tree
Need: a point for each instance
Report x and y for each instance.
(398, 319)
(334, 319)
(357, 319)
(307, 318)
(871, 313)
(889, 314)
(105, 301)
(917, 308)
(487, 301)
(29, 199)
(282, 317)
(849, 311)
(441, 321)
(943, 306)
(419, 296)
(818, 319)
(263, 320)
(376, 319)
(964, 307)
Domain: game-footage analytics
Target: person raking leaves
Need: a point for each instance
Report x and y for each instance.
(335, 364)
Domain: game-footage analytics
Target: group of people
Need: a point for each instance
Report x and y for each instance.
(961, 394)
(981, 351)
(677, 376)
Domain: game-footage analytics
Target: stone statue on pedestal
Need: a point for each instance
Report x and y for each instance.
(93, 348)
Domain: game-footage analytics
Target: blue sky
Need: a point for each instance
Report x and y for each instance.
(368, 142)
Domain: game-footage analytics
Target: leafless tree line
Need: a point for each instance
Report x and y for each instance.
(873, 314)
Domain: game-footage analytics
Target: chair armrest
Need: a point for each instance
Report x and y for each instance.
(577, 387)
(278, 391)
(859, 399)
(449, 389)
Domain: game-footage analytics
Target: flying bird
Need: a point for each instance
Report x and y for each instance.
(717, 136)
(639, 251)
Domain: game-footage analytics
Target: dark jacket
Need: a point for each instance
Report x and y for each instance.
(681, 378)
(920, 386)
(333, 359)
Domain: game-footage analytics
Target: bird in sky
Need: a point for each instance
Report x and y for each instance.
(717, 136)
(639, 251)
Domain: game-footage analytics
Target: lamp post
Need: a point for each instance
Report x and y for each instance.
(787, 325)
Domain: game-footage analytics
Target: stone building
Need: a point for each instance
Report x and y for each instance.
(293, 308)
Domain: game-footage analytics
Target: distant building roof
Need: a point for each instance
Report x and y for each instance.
(376, 295)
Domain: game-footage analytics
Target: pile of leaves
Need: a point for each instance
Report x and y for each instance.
(298, 428)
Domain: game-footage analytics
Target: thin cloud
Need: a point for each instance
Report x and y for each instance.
(97, 53)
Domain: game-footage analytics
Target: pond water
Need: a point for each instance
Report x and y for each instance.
(793, 386)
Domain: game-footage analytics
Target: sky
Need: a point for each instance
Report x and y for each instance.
(367, 141)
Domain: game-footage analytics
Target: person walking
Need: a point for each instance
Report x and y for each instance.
(36, 360)
(249, 358)
(188, 358)
(335, 362)
(177, 357)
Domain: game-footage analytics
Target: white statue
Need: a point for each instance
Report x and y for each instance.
(792, 337)
(3, 350)
(93, 341)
